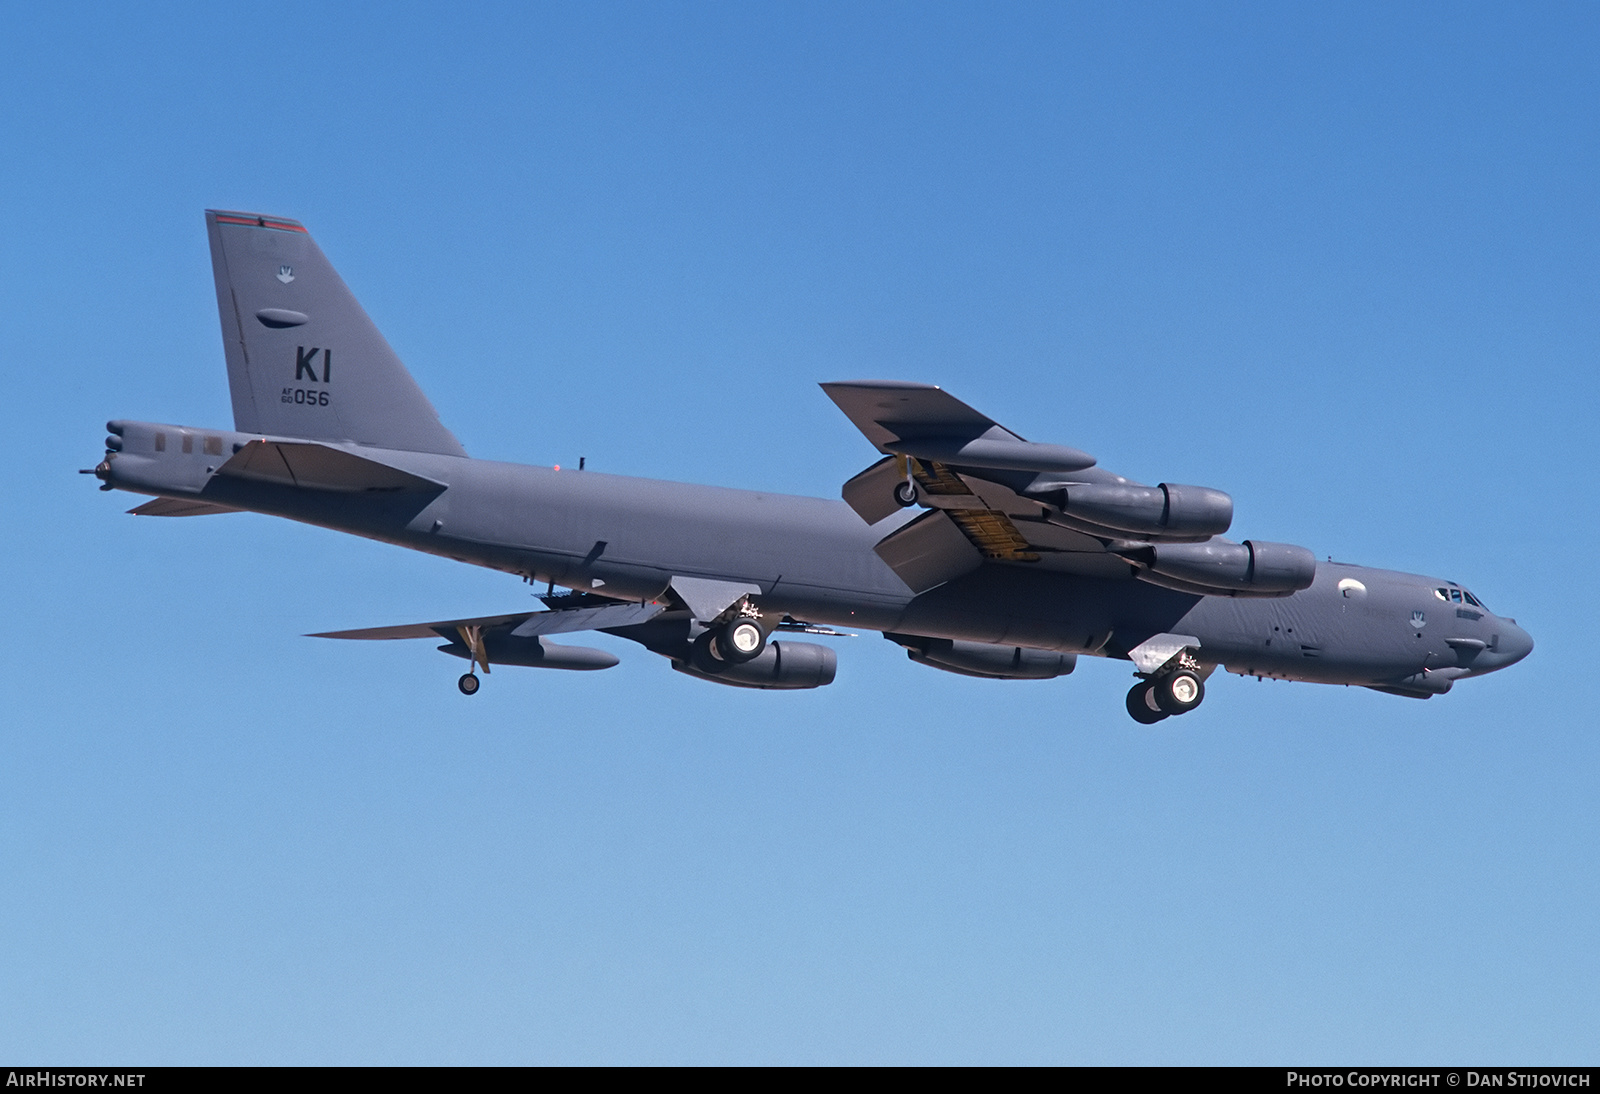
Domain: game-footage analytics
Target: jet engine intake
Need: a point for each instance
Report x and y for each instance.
(787, 666)
(986, 660)
(1165, 510)
(1252, 566)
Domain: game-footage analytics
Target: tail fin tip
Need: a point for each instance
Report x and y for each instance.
(304, 359)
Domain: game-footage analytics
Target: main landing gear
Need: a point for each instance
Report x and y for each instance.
(1162, 696)
(735, 642)
(739, 640)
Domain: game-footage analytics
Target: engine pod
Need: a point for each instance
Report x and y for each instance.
(787, 666)
(1165, 510)
(1253, 566)
(986, 660)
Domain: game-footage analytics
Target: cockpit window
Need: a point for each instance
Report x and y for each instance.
(1459, 595)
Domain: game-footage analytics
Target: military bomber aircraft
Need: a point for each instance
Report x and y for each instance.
(977, 551)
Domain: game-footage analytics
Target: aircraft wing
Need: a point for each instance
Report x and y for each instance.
(444, 628)
(887, 410)
(989, 496)
(970, 473)
(520, 639)
(927, 423)
(521, 625)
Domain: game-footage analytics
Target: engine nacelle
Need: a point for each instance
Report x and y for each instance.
(788, 666)
(986, 660)
(1252, 566)
(1165, 510)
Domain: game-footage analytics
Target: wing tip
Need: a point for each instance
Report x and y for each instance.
(892, 385)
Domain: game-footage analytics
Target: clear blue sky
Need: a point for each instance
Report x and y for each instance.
(1339, 260)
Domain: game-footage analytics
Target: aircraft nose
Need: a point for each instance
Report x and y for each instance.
(1515, 644)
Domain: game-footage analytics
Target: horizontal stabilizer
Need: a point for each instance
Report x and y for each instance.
(178, 507)
(319, 467)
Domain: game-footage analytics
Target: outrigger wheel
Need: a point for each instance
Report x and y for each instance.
(905, 494)
(468, 684)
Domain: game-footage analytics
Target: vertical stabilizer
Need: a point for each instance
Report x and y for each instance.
(303, 358)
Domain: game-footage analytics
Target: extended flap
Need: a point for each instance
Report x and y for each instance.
(314, 466)
(871, 493)
(929, 551)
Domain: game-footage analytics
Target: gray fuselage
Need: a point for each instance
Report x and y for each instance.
(813, 559)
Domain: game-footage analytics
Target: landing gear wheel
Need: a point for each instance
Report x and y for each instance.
(1141, 704)
(905, 494)
(741, 640)
(705, 656)
(468, 684)
(1179, 692)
